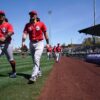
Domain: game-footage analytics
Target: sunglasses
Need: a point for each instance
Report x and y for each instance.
(1, 15)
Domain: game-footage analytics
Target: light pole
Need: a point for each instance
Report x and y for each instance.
(49, 13)
(94, 15)
(94, 10)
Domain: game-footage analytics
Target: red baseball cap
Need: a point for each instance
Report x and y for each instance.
(2, 13)
(32, 13)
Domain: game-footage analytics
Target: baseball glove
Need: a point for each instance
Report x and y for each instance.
(24, 48)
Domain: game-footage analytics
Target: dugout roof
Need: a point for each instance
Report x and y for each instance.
(93, 30)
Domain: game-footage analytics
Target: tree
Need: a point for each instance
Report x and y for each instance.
(88, 42)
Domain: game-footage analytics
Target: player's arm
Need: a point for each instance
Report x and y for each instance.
(10, 31)
(24, 36)
(44, 29)
(9, 34)
(46, 37)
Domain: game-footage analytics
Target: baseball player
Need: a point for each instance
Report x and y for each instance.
(58, 52)
(6, 31)
(54, 52)
(37, 31)
(49, 52)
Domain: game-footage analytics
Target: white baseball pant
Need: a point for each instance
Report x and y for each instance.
(36, 50)
(57, 56)
(7, 49)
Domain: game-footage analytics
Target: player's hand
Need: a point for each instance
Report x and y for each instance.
(47, 45)
(23, 43)
(2, 38)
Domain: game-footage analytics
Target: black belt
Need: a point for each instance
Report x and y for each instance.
(35, 41)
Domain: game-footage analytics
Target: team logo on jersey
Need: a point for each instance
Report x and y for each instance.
(4, 30)
(37, 28)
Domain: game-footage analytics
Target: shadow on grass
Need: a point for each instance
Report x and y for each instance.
(3, 75)
(26, 76)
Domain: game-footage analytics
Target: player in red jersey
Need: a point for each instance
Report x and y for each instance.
(6, 31)
(58, 52)
(37, 31)
(49, 52)
(54, 52)
(2, 38)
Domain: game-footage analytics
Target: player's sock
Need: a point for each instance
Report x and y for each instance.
(13, 65)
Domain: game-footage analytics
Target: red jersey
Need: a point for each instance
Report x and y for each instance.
(54, 49)
(5, 28)
(35, 30)
(58, 48)
(49, 49)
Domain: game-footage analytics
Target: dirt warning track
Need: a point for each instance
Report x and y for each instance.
(72, 79)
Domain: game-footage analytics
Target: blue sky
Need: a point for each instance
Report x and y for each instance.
(67, 17)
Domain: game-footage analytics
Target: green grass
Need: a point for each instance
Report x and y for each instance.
(17, 88)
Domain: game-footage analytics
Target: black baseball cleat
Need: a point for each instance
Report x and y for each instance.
(12, 75)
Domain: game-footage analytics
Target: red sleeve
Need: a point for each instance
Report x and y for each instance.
(44, 27)
(25, 31)
(10, 28)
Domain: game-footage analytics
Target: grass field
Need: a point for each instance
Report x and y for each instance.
(17, 88)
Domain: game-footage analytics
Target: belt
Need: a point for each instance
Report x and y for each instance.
(35, 41)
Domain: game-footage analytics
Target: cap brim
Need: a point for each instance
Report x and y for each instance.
(2, 14)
